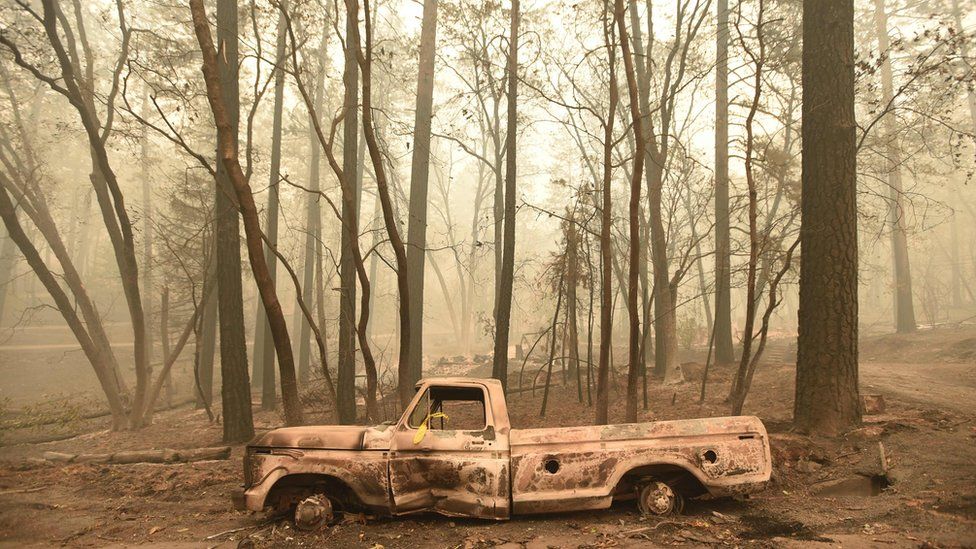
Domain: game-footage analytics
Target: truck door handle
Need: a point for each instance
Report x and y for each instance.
(477, 443)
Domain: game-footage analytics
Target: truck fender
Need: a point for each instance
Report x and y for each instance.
(634, 464)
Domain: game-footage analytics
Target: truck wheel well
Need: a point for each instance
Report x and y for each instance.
(290, 489)
(678, 478)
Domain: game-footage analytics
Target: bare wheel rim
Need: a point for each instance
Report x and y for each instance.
(657, 498)
(313, 512)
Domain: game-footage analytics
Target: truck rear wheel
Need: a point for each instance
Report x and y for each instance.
(657, 498)
(313, 513)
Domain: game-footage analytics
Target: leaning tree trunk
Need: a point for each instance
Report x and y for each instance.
(826, 369)
(227, 153)
(263, 343)
(405, 388)
(313, 218)
(503, 308)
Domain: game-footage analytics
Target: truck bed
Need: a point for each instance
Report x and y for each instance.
(556, 469)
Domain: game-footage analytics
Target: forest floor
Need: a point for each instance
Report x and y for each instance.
(927, 497)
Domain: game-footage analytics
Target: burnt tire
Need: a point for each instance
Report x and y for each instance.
(313, 513)
(656, 498)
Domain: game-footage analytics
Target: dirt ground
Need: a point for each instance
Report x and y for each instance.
(823, 492)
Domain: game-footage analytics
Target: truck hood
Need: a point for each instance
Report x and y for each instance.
(328, 437)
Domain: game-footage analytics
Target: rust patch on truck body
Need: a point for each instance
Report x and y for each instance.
(489, 470)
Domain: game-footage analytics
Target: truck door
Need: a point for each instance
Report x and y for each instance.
(445, 455)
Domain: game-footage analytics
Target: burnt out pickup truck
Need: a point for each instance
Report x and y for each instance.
(454, 452)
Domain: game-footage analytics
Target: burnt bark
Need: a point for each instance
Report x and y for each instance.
(633, 278)
(346, 378)
(503, 306)
(904, 307)
(227, 152)
(827, 373)
(419, 172)
(606, 218)
(724, 352)
(264, 359)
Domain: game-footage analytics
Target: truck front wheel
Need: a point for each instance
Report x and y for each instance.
(313, 512)
(657, 498)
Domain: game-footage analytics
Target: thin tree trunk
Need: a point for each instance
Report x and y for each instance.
(98, 354)
(503, 314)
(572, 282)
(904, 308)
(606, 216)
(208, 334)
(633, 279)
(263, 343)
(406, 389)
(313, 218)
(346, 382)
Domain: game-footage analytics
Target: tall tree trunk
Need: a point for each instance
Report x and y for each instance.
(405, 388)
(147, 267)
(235, 389)
(313, 218)
(904, 308)
(419, 171)
(264, 352)
(503, 315)
(826, 370)
(346, 382)
(572, 282)
(208, 333)
(724, 352)
(606, 244)
(739, 386)
(254, 237)
(633, 279)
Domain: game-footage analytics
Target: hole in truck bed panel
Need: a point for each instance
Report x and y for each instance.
(551, 466)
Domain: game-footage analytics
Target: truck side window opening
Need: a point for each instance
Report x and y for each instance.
(464, 408)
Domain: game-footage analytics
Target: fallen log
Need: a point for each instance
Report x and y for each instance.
(144, 456)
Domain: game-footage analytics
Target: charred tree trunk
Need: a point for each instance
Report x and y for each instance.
(346, 379)
(606, 218)
(724, 352)
(503, 308)
(419, 172)
(572, 283)
(227, 153)
(633, 279)
(264, 351)
(405, 388)
(235, 388)
(313, 220)
(904, 307)
(827, 373)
